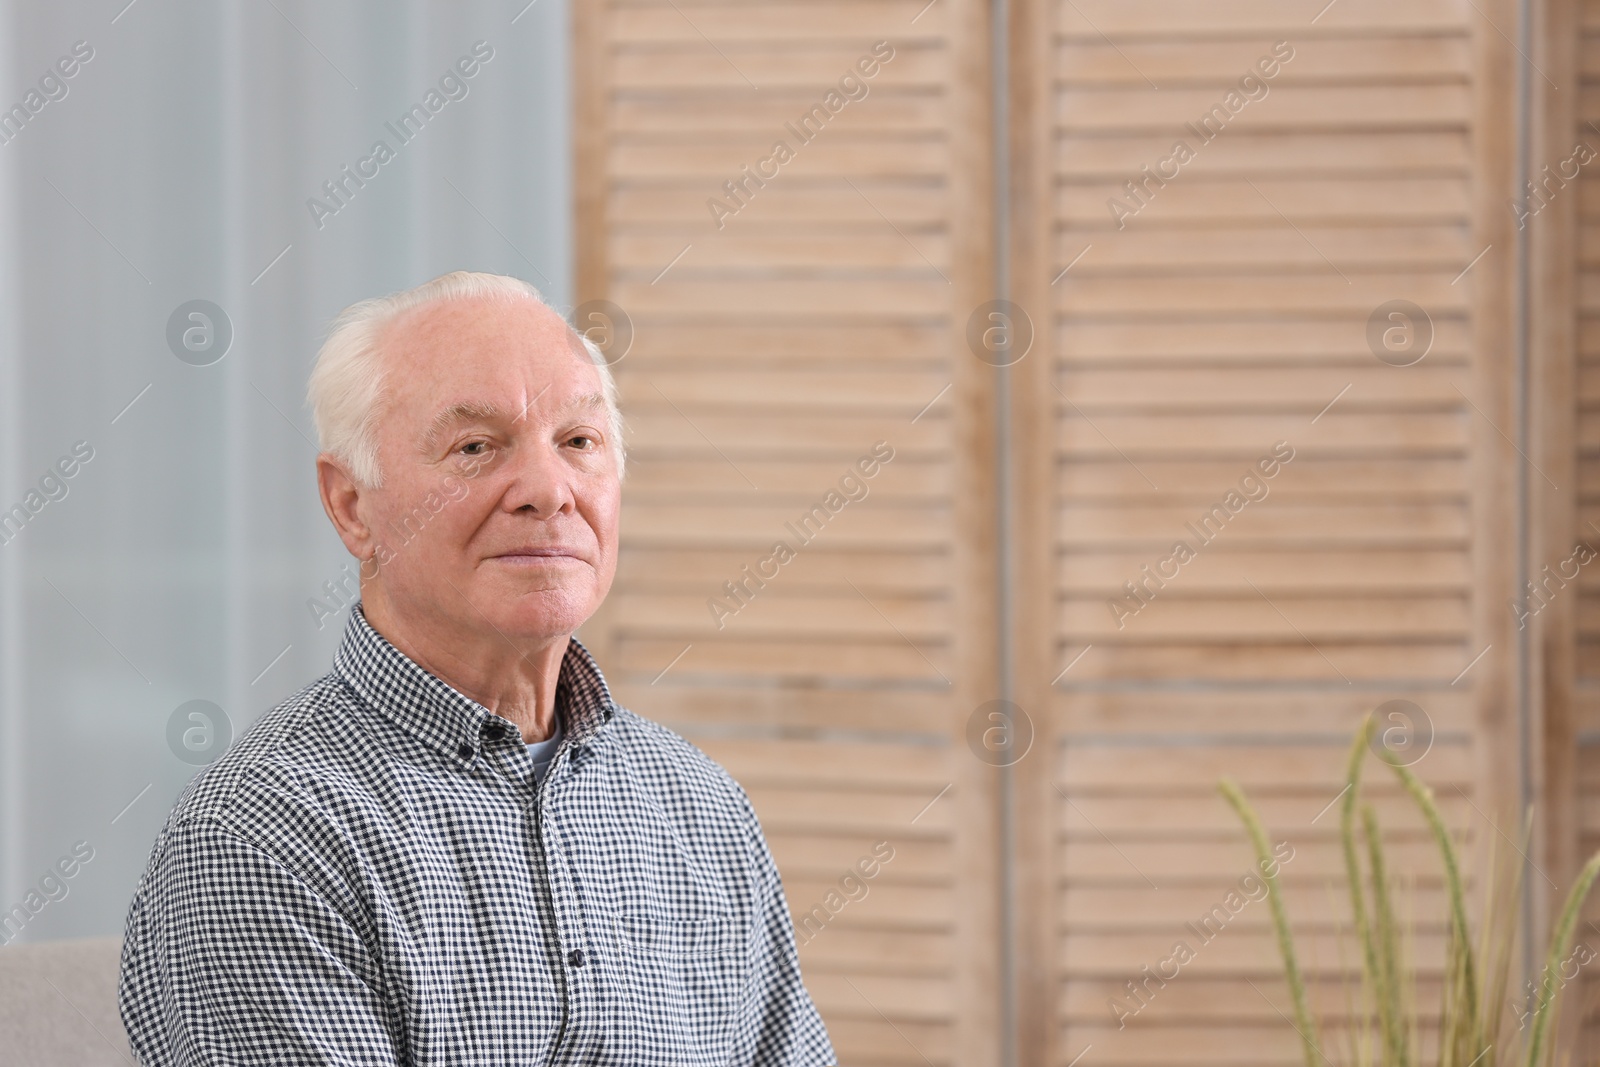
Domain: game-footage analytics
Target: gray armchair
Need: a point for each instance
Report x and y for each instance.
(58, 1005)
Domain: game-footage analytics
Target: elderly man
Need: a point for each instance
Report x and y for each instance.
(456, 848)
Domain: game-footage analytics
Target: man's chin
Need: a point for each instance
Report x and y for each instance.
(538, 613)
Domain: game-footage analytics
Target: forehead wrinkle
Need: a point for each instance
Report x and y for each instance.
(581, 402)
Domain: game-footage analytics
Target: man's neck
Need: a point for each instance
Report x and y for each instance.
(518, 684)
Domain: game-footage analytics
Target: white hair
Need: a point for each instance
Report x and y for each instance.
(347, 389)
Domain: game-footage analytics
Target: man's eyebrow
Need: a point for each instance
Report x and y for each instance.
(585, 402)
(454, 415)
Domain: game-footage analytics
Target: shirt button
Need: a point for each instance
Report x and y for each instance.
(575, 957)
(465, 751)
(496, 731)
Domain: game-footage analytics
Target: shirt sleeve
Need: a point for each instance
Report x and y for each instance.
(788, 1030)
(232, 959)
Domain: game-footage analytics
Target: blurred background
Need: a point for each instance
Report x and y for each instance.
(1225, 372)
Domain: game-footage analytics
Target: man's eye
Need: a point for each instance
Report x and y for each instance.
(585, 441)
(474, 444)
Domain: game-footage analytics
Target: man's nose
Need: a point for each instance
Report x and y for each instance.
(540, 481)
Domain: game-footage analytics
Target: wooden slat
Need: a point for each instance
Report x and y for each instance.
(1265, 337)
(1344, 201)
(1229, 389)
(1219, 63)
(793, 66)
(743, 344)
(1312, 478)
(1114, 157)
(910, 207)
(1285, 524)
(1231, 1000)
(1292, 659)
(1254, 435)
(903, 528)
(1097, 19)
(1251, 618)
(891, 660)
(1299, 108)
(696, 22)
(1287, 712)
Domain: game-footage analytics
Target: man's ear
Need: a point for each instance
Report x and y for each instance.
(341, 499)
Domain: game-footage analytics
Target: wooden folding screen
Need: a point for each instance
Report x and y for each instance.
(786, 206)
(1268, 252)
(785, 219)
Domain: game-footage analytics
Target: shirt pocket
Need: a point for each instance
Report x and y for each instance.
(685, 982)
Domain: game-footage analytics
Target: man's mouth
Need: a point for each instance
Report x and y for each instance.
(537, 555)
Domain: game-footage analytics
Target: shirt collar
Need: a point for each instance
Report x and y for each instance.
(445, 719)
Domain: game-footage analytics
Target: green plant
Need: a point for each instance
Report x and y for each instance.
(1385, 1029)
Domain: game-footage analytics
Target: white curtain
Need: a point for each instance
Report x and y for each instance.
(174, 165)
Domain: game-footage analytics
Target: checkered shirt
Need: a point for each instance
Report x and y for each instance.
(371, 875)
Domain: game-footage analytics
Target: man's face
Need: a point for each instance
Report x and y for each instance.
(500, 490)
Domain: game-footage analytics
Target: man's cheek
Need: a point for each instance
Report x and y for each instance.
(458, 524)
(606, 524)
(608, 518)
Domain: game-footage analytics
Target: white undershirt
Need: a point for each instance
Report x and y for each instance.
(545, 751)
